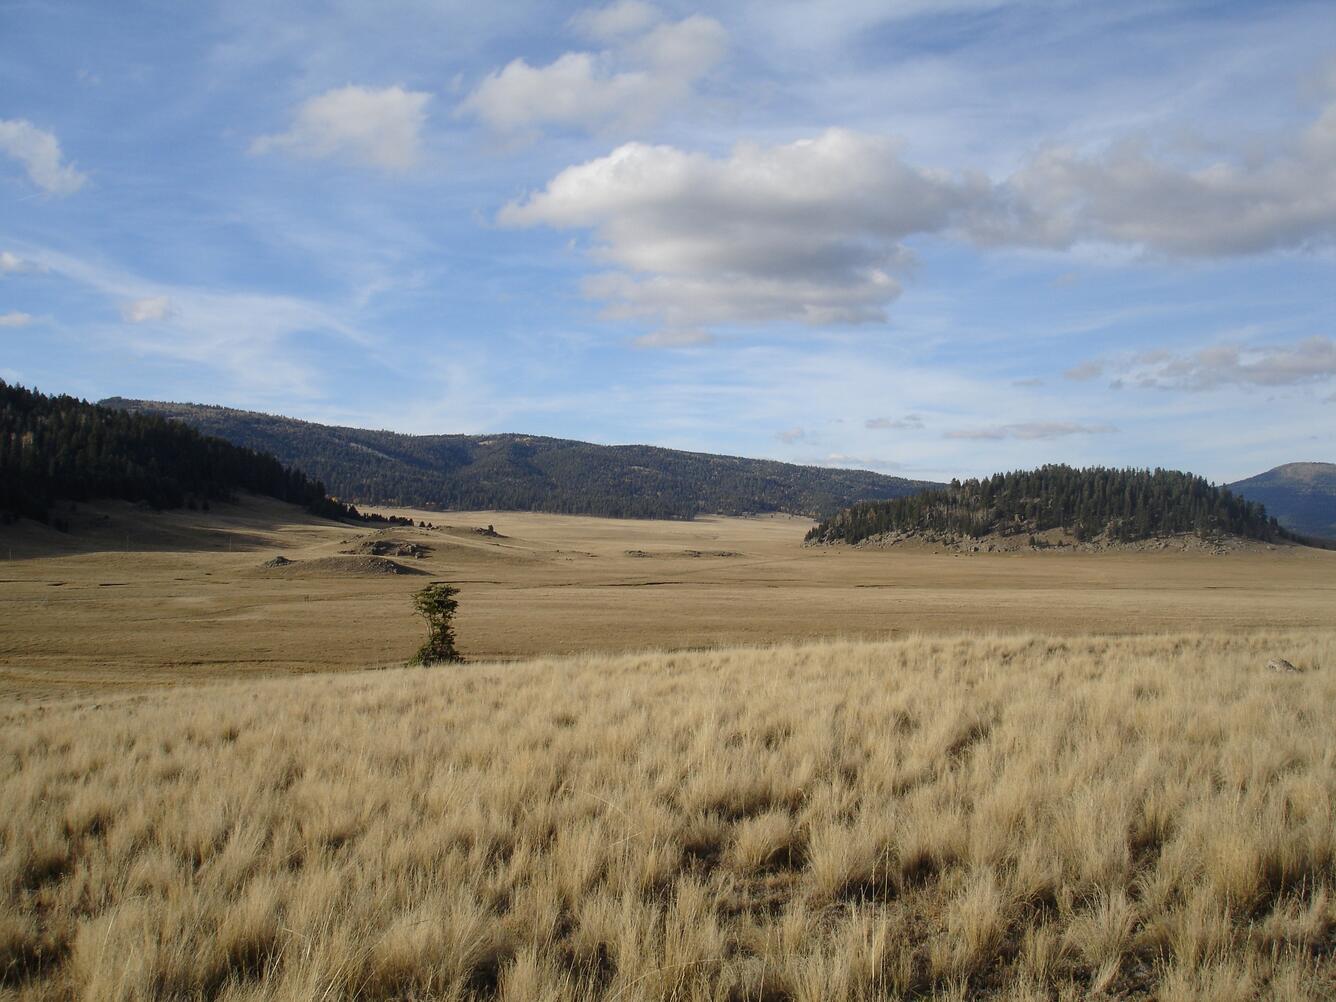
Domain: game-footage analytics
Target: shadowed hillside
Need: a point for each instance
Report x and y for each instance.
(1302, 496)
(65, 449)
(534, 473)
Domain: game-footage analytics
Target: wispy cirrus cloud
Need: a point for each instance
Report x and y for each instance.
(12, 264)
(150, 309)
(243, 338)
(1308, 360)
(15, 318)
(910, 422)
(1030, 431)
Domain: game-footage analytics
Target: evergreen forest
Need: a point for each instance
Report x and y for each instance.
(1116, 505)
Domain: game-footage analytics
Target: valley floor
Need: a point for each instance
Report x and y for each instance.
(1014, 817)
(135, 598)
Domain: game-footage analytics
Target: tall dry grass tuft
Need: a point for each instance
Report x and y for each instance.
(985, 817)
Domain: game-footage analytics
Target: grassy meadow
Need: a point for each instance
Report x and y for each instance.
(135, 599)
(995, 816)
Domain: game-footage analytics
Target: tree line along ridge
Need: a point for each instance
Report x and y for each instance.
(60, 448)
(1115, 505)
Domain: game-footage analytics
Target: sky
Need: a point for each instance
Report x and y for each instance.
(931, 238)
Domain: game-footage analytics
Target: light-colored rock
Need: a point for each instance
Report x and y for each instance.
(1281, 665)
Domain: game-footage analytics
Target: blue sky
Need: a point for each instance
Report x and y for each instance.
(927, 238)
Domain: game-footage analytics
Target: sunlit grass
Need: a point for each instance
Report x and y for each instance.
(988, 817)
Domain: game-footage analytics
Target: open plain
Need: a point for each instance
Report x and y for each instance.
(688, 760)
(131, 598)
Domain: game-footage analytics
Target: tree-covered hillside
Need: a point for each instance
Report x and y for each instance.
(59, 448)
(1095, 503)
(534, 473)
(1302, 496)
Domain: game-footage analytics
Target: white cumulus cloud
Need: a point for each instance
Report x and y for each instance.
(39, 153)
(808, 231)
(816, 230)
(615, 21)
(648, 68)
(373, 127)
(1133, 193)
(150, 309)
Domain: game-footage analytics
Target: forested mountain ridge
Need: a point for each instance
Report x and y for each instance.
(60, 448)
(532, 472)
(1302, 496)
(1112, 505)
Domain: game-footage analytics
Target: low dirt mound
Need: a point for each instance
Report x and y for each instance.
(682, 553)
(351, 566)
(390, 548)
(487, 531)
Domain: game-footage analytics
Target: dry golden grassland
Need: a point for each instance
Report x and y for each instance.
(1013, 817)
(136, 598)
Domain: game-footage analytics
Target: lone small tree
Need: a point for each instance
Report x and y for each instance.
(436, 604)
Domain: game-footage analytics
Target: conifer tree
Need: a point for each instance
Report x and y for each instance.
(437, 604)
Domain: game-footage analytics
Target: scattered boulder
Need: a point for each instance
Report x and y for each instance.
(1280, 665)
(390, 548)
(279, 561)
(490, 532)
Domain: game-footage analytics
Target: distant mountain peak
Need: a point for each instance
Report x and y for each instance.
(1301, 496)
(1302, 471)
